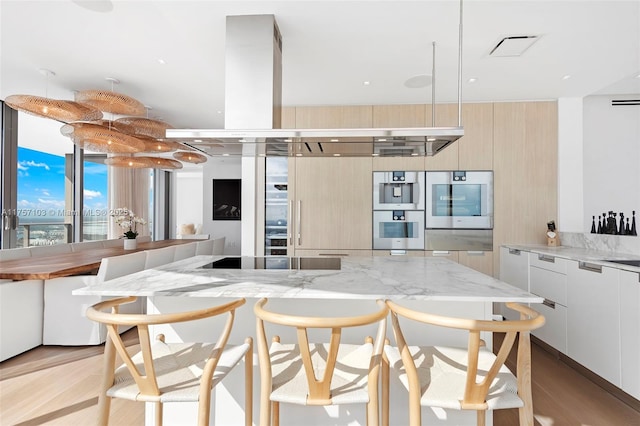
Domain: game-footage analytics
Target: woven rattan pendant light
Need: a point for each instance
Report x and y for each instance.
(145, 126)
(55, 109)
(142, 162)
(189, 157)
(110, 101)
(98, 138)
(155, 145)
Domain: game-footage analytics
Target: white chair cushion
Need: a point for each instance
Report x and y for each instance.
(349, 384)
(178, 370)
(442, 374)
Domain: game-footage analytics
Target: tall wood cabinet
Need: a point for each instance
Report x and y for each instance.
(330, 197)
(525, 172)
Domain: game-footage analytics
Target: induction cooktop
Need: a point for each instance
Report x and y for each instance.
(275, 262)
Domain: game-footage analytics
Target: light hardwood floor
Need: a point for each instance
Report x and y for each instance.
(58, 386)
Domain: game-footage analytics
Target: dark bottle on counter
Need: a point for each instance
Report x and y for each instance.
(593, 224)
(604, 224)
(599, 231)
(633, 224)
(627, 230)
(621, 228)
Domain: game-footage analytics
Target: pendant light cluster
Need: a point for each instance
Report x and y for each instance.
(123, 139)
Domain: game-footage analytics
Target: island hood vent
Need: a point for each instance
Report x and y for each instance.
(253, 87)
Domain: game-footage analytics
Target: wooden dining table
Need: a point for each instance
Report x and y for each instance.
(75, 263)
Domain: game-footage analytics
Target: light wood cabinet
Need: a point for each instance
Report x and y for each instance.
(525, 164)
(451, 255)
(630, 332)
(334, 117)
(334, 253)
(475, 148)
(481, 261)
(593, 320)
(331, 204)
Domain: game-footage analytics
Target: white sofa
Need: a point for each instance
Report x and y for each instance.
(65, 322)
(21, 316)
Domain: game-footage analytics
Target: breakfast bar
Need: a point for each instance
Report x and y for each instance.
(313, 287)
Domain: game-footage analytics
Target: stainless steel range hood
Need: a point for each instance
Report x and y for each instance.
(253, 81)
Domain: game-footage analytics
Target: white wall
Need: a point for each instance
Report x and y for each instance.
(187, 195)
(220, 168)
(611, 158)
(570, 167)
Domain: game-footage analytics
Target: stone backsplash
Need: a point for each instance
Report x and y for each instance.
(613, 243)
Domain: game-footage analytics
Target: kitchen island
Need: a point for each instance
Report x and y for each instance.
(434, 284)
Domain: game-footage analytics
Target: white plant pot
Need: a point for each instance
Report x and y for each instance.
(130, 243)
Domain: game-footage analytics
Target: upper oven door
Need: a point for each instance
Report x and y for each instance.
(399, 190)
(459, 200)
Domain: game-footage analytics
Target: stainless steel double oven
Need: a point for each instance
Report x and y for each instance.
(443, 210)
(398, 210)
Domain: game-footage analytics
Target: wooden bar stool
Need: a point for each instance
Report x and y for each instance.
(307, 373)
(169, 372)
(470, 378)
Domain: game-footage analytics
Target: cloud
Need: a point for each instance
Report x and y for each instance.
(51, 203)
(89, 194)
(25, 165)
(46, 193)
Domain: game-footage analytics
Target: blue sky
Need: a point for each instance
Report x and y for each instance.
(41, 185)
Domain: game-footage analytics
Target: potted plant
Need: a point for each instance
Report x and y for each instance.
(128, 221)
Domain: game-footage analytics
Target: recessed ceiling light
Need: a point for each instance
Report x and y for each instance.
(366, 83)
(219, 112)
(566, 77)
(472, 80)
(638, 76)
(161, 61)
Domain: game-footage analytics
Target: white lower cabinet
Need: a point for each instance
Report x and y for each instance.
(593, 319)
(514, 269)
(548, 279)
(630, 332)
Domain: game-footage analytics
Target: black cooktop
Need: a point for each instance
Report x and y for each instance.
(276, 262)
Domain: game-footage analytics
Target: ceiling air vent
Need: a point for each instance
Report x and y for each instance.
(625, 102)
(513, 45)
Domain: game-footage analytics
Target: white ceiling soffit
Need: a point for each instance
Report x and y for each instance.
(513, 45)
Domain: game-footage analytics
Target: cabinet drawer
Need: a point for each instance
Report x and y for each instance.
(549, 263)
(554, 330)
(514, 267)
(548, 284)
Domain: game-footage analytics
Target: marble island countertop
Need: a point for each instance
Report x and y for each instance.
(599, 257)
(397, 277)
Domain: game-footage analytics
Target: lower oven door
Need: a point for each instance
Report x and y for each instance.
(398, 230)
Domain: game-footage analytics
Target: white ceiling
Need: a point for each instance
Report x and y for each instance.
(329, 49)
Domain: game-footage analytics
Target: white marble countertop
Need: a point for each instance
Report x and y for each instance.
(397, 277)
(598, 257)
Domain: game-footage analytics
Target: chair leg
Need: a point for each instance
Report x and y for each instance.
(248, 384)
(385, 389)
(104, 402)
(158, 413)
(481, 417)
(276, 414)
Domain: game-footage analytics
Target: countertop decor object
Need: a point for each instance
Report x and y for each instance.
(128, 221)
